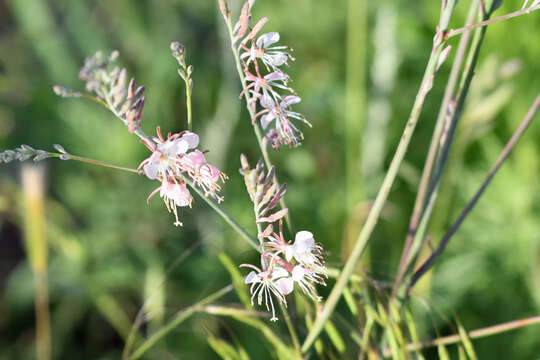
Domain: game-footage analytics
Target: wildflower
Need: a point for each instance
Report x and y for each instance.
(172, 159)
(174, 195)
(271, 56)
(287, 133)
(306, 278)
(276, 79)
(264, 284)
(305, 250)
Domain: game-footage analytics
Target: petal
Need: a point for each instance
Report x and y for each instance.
(173, 147)
(252, 278)
(285, 285)
(267, 119)
(151, 168)
(276, 76)
(289, 251)
(304, 241)
(192, 139)
(290, 100)
(298, 273)
(265, 40)
(197, 158)
(279, 272)
(278, 58)
(267, 102)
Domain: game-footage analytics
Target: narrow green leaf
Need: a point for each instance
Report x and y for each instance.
(412, 330)
(443, 353)
(349, 300)
(222, 348)
(461, 353)
(334, 336)
(237, 279)
(466, 341)
(318, 344)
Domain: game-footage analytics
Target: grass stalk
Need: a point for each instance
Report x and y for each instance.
(177, 320)
(474, 334)
(37, 251)
(502, 157)
(388, 181)
(407, 256)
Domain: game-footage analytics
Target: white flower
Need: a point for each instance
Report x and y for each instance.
(202, 173)
(271, 56)
(264, 284)
(276, 79)
(306, 278)
(287, 133)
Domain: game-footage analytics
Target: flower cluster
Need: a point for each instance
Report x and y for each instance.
(283, 264)
(174, 160)
(270, 90)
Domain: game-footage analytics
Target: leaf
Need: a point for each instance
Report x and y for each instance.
(443, 353)
(466, 341)
(334, 336)
(237, 279)
(222, 348)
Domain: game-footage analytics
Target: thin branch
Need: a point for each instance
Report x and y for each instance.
(474, 334)
(502, 157)
(511, 15)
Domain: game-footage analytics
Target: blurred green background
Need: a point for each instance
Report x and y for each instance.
(109, 250)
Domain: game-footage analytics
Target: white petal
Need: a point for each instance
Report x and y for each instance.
(290, 100)
(304, 241)
(192, 139)
(289, 252)
(279, 272)
(267, 119)
(174, 147)
(276, 76)
(252, 278)
(298, 273)
(265, 40)
(151, 168)
(285, 285)
(267, 102)
(278, 59)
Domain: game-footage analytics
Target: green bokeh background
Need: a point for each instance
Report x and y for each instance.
(108, 249)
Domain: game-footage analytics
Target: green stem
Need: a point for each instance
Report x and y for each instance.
(178, 319)
(388, 181)
(187, 80)
(290, 327)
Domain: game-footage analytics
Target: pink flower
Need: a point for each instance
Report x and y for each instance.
(174, 194)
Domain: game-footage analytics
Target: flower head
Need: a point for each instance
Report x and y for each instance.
(268, 284)
(173, 161)
(271, 56)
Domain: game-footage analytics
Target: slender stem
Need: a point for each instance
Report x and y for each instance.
(178, 319)
(419, 203)
(221, 212)
(474, 334)
(251, 110)
(188, 81)
(502, 157)
(388, 181)
(511, 15)
(290, 327)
